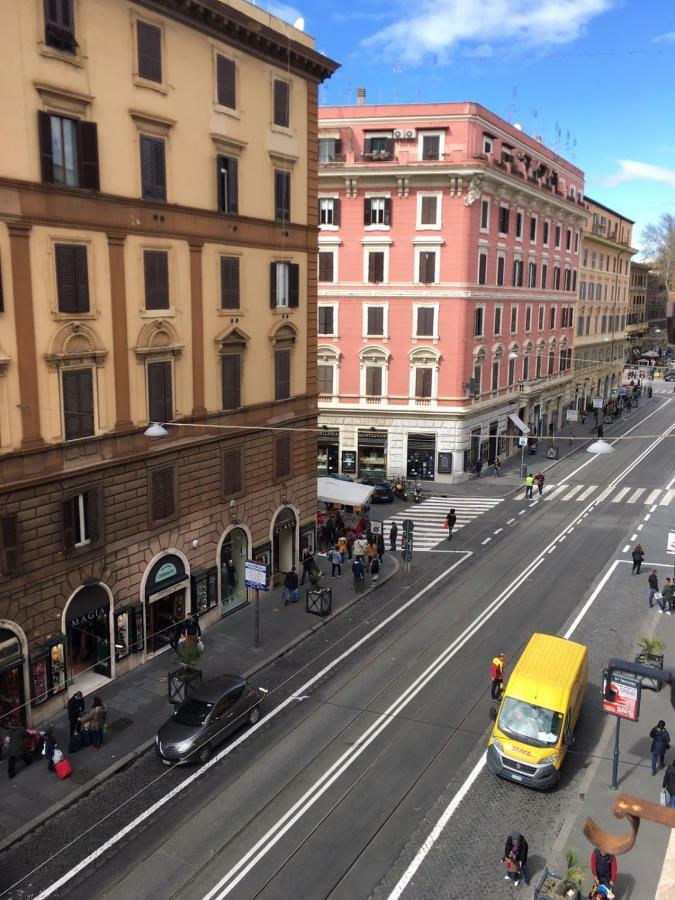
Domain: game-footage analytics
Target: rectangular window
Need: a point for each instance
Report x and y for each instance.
(485, 215)
(329, 211)
(226, 75)
(232, 473)
(582, 290)
(160, 392)
(425, 322)
(156, 277)
(326, 320)
(230, 373)
(603, 328)
(551, 360)
(59, 150)
(72, 279)
(228, 184)
(528, 318)
(162, 494)
(545, 240)
(282, 374)
(482, 268)
(570, 317)
(517, 273)
(153, 168)
(487, 144)
(281, 103)
(478, 321)
(81, 519)
(375, 321)
(556, 278)
(374, 381)
(531, 274)
(512, 372)
(544, 276)
(282, 456)
(567, 280)
(376, 266)
(584, 258)
(284, 285)
(558, 234)
(330, 150)
(498, 320)
(501, 267)
(431, 146)
(427, 267)
(537, 371)
(594, 257)
(59, 25)
(429, 211)
(519, 225)
(282, 196)
(526, 367)
(514, 319)
(78, 403)
(326, 265)
(541, 318)
(149, 46)
(552, 317)
(576, 241)
(495, 375)
(423, 382)
(533, 229)
(9, 545)
(229, 282)
(563, 317)
(325, 373)
(568, 239)
(378, 147)
(377, 211)
(503, 220)
(580, 326)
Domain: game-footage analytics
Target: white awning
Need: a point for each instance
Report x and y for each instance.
(518, 422)
(346, 493)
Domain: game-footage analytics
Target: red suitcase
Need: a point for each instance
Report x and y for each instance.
(63, 769)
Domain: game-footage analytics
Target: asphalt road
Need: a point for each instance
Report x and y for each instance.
(323, 799)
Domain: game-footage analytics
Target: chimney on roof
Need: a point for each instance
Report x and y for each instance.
(360, 96)
(538, 139)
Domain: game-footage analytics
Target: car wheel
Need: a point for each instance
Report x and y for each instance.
(204, 754)
(254, 715)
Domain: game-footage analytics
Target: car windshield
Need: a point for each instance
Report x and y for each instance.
(192, 712)
(530, 724)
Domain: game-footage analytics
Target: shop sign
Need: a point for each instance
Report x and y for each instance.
(444, 463)
(88, 616)
(166, 570)
(625, 701)
(255, 576)
(572, 415)
(348, 462)
(598, 403)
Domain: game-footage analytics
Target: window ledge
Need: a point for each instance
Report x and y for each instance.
(284, 310)
(74, 59)
(281, 129)
(141, 82)
(157, 313)
(226, 110)
(420, 227)
(231, 313)
(78, 317)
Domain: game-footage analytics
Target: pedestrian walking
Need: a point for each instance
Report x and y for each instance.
(660, 743)
(50, 747)
(380, 547)
(360, 549)
(336, 562)
(529, 484)
(372, 552)
(291, 591)
(653, 587)
(393, 535)
(649, 392)
(601, 431)
(359, 573)
(450, 521)
(515, 858)
(668, 592)
(539, 480)
(193, 631)
(638, 555)
(496, 465)
(342, 547)
(479, 467)
(603, 867)
(375, 570)
(175, 634)
(497, 673)
(668, 784)
(75, 712)
(17, 748)
(94, 722)
(307, 563)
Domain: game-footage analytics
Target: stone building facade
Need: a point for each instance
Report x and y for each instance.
(158, 197)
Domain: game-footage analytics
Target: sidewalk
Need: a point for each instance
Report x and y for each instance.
(137, 702)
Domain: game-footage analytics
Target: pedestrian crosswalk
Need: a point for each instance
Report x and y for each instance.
(429, 517)
(565, 493)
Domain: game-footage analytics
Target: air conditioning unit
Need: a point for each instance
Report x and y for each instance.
(411, 133)
(399, 134)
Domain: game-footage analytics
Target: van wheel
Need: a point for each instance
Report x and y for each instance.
(254, 715)
(204, 754)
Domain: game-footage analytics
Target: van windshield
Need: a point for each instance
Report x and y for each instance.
(530, 724)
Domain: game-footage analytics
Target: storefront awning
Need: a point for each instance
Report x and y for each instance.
(346, 493)
(518, 422)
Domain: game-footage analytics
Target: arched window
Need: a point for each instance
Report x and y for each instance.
(424, 363)
(374, 371)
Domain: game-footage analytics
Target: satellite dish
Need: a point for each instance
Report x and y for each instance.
(299, 24)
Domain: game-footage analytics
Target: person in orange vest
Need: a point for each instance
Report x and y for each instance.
(497, 677)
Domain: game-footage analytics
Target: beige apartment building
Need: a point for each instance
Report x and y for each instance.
(637, 324)
(158, 241)
(602, 304)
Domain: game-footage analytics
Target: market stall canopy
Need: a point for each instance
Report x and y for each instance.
(347, 493)
(518, 422)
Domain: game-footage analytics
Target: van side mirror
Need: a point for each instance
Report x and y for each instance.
(493, 714)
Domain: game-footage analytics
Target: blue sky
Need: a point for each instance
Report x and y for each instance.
(594, 77)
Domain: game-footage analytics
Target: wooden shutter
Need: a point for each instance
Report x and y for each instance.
(273, 284)
(68, 522)
(72, 282)
(163, 493)
(281, 93)
(160, 392)
(282, 374)
(9, 545)
(325, 320)
(153, 168)
(156, 272)
(427, 266)
(325, 379)
(233, 185)
(326, 265)
(282, 196)
(231, 380)
(78, 403)
(376, 267)
(422, 382)
(93, 511)
(373, 381)
(226, 75)
(367, 146)
(87, 143)
(46, 158)
(425, 322)
(282, 456)
(293, 285)
(367, 211)
(229, 282)
(428, 212)
(232, 480)
(336, 211)
(59, 31)
(375, 320)
(149, 51)
(387, 210)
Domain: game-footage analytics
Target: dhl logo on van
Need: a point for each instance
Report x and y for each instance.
(518, 751)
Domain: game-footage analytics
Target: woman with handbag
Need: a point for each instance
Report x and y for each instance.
(515, 858)
(94, 723)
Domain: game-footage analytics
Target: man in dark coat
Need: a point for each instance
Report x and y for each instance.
(307, 563)
(450, 520)
(515, 851)
(17, 747)
(603, 867)
(290, 586)
(669, 784)
(75, 712)
(660, 743)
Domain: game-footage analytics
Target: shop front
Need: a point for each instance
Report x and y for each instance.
(328, 460)
(284, 553)
(48, 670)
(372, 453)
(233, 556)
(128, 635)
(421, 457)
(12, 688)
(87, 629)
(166, 600)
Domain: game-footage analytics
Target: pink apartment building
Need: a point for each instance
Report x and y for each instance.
(448, 258)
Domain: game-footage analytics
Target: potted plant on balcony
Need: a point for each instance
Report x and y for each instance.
(650, 654)
(552, 886)
(187, 676)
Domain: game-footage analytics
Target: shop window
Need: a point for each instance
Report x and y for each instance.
(232, 473)
(82, 519)
(48, 670)
(421, 456)
(162, 488)
(9, 545)
(282, 456)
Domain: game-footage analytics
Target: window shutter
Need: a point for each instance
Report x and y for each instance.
(367, 146)
(231, 380)
(367, 211)
(93, 511)
(273, 284)
(229, 282)
(282, 374)
(163, 502)
(326, 265)
(88, 148)
(156, 272)
(9, 545)
(336, 211)
(374, 381)
(293, 284)
(46, 158)
(387, 210)
(282, 198)
(281, 90)
(325, 379)
(419, 382)
(68, 524)
(232, 481)
(233, 185)
(227, 80)
(65, 278)
(379, 266)
(283, 456)
(160, 392)
(153, 168)
(149, 51)
(221, 181)
(78, 403)
(425, 322)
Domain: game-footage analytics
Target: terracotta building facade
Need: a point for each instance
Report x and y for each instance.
(448, 259)
(158, 219)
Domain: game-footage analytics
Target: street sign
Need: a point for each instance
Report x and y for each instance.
(376, 527)
(625, 702)
(407, 544)
(572, 415)
(670, 545)
(598, 403)
(408, 525)
(522, 442)
(255, 576)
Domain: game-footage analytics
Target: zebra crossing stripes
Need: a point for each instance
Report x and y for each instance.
(605, 494)
(587, 493)
(614, 494)
(667, 497)
(635, 496)
(429, 517)
(570, 494)
(617, 498)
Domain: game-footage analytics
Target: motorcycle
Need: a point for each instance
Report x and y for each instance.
(399, 489)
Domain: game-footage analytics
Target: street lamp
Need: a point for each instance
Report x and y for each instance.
(156, 430)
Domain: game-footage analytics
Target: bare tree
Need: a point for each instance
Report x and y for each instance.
(659, 241)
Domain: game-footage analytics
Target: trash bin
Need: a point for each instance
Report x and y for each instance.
(551, 453)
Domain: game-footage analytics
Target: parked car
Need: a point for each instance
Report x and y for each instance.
(383, 493)
(205, 719)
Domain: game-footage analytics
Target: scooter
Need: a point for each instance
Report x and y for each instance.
(399, 489)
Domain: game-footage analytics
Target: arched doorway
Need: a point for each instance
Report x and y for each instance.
(284, 551)
(234, 552)
(13, 707)
(166, 599)
(87, 626)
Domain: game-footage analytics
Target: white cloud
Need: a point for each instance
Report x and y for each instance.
(631, 170)
(667, 38)
(283, 11)
(438, 25)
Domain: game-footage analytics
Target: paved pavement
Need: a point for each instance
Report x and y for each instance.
(138, 701)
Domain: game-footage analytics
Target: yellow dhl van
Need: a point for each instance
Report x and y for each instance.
(539, 711)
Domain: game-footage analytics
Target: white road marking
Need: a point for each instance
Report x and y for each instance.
(647, 517)
(498, 531)
(633, 537)
(617, 498)
(626, 548)
(670, 484)
(552, 550)
(509, 521)
(562, 538)
(429, 517)
(653, 497)
(667, 497)
(653, 509)
(587, 493)
(634, 497)
(605, 494)
(572, 492)
(556, 491)
(640, 527)
(486, 541)
(522, 512)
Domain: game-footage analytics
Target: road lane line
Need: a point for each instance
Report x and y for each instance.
(486, 541)
(647, 517)
(653, 509)
(509, 521)
(522, 512)
(626, 548)
(497, 531)
(587, 493)
(634, 497)
(618, 497)
(653, 497)
(633, 537)
(640, 527)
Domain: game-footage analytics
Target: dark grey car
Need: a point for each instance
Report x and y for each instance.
(205, 719)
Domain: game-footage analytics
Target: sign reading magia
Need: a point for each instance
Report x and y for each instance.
(625, 696)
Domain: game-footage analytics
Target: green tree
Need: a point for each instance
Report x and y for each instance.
(659, 241)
